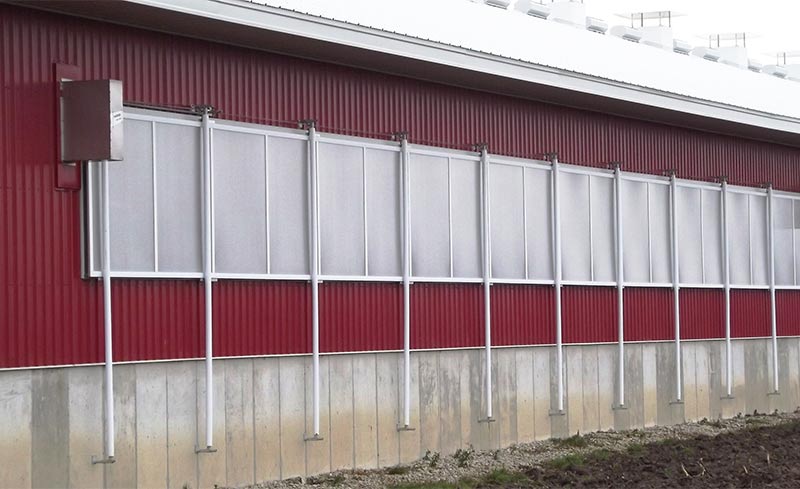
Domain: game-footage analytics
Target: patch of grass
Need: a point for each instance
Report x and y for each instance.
(566, 462)
(463, 456)
(432, 458)
(575, 441)
(336, 480)
(601, 454)
(635, 449)
(503, 476)
(461, 484)
(398, 470)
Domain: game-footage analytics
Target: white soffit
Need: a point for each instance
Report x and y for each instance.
(473, 36)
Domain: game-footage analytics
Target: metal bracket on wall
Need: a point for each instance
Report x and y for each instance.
(198, 449)
(401, 427)
(486, 420)
(103, 460)
(312, 438)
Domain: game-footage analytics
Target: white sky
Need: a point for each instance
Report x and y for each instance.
(776, 23)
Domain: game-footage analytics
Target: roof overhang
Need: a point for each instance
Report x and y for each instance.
(297, 34)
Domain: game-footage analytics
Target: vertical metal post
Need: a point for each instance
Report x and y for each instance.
(310, 125)
(676, 288)
(105, 239)
(405, 176)
(620, 286)
(773, 319)
(208, 277)
(557, 283)
(487, 271)
(726, 283)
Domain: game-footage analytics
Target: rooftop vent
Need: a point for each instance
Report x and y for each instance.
(627, 33)
(754, 65)
(594, 24)
(533, 8)
(775, 70)
(707, 53)
(655, 27)
(732, 48)
(681, 47)
(503, 4)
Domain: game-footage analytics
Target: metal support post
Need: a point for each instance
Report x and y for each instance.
(773, 318)
(557, 282)
(487, 271)
(726, 283)
(676, 287)
(405, 176)
(620, 286)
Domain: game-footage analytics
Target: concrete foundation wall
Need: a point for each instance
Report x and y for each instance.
(51, 420)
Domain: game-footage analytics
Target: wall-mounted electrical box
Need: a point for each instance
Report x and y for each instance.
(91, 120)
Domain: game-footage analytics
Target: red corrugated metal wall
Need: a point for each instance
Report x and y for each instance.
(589, 314)
(523, 315)
(446, 315)
(649, 314)
(750, 313)
(50, 316)
(702, 313)
(360, 316)
(787, 305)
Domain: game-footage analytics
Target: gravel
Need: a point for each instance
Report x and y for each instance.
(469, 463)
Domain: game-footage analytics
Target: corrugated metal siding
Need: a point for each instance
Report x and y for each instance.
(750, 313)
(649, 314)
(359, 316)
(256, 318)
(589, 314)
(171, 326)
(523, 315)
(446, 315)
(787, 312)
(50, 316)
(702, 313)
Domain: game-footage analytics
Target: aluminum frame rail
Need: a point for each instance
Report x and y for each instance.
(676, 285)
(487, 272)
(405, 182)
(108, 378)
(208, 272)
(313, 191)
(556, 191)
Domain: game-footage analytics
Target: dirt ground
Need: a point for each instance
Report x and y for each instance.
(742, 452)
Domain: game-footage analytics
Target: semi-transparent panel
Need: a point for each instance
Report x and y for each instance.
(130, 188)
(759, 239)
(690, 251)
(93, 193)
(430, 235)
(739, 238)
(660, 237)
(506, 218)
(712, 236)
(341, 209)
(540, 224)
(635, 246)
(179, 178)
(288, 205)
(383, 213)
(574, 210)
(240, 208)
(796, 233)
(783, 227)
(603, 236)
(465, 184)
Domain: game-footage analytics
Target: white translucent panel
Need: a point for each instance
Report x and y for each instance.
(603, 235)
(341, 209)
(240, 202)
(384, 213)
(288, 205)
(759, 239)
(465, 185)
(130, 188)
(540, 224)
(739, 238)
(574, 210)
(430, 220)
(635, 232)
(179, 182)
(690, 235)
(783, 227)
(93, 193)
(660, 237)
(712, 236)
(506, 219)
(796, 234)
